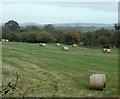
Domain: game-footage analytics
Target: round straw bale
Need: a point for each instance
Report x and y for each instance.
(97, 81)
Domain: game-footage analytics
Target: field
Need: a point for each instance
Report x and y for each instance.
(50, 72)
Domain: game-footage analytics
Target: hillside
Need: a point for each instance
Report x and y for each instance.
(48, 71)
(83, 27)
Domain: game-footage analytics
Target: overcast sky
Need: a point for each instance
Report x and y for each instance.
(62, 12)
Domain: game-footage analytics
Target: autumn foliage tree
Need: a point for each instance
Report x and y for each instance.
(72, 37)
(44, 36)
(102, 37)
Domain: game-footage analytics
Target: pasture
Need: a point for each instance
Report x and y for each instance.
(50, 72)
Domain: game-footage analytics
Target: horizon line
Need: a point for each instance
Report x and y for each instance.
(61, 23)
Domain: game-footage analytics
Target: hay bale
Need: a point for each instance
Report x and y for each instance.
(42, 44)
(57, 44)
(97, 81)
(108, 50)
(6, 40)
(74, 45)
(105, 50)
(64, 48)
(3, 40)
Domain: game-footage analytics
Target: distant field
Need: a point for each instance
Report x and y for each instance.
(48, 71)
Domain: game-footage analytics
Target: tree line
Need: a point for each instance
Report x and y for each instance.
(49, 34)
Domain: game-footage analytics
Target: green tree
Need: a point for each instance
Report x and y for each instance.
(117, 26)
(103, 41)
(102, 37)
(87, 39)
(12, 25)
(50, 28)
(72, 37)
(30, 28)
(117, 35)
(44, 36)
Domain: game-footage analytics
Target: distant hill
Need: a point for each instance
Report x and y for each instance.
(67, 26)
(85, 25)
(29, 24)
(72, 24)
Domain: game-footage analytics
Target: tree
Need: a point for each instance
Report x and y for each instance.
(12, 25)
(117, 35)
(103, 37)
(103, 41)
(50, 28)
(87, 39)
(44, 36)
(117, 26)
(72, 37)
(6, 33)
(59, 38)
(30, 28)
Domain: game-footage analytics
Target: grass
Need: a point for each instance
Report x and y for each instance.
(48, 71)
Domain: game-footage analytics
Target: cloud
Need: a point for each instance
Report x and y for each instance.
(104, 6)
(54, 12)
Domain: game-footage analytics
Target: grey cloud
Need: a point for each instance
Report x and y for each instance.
(104, 6)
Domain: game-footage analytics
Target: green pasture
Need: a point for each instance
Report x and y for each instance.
(51, 72)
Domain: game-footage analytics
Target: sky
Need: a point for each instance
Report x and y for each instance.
(60, 12)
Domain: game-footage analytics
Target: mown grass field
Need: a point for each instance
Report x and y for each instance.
(48, 71)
